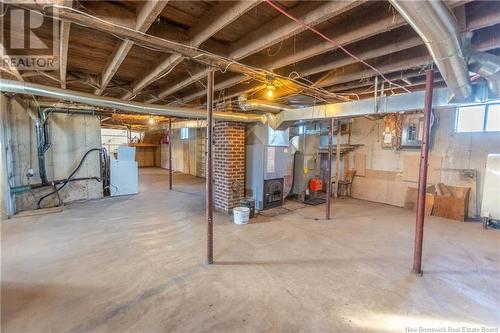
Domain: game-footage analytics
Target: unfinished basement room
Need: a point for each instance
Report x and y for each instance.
(250, 166)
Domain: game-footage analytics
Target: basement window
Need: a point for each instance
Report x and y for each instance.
(478, 118)
(493, 120)
(184, 133)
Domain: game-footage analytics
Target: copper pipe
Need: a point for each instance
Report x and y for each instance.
(170, 154)
(329, 169)
(208, 168)
(422, 176)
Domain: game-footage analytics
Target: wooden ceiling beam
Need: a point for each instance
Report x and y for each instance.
(310, 47)
(273, 32)
(219, 86)
(360, 31)
(402, 62)
(404, 76)
(146, 15)
(64, 29)
(12, 70)
(486, 14)
(215, 20)
(281, 27)
(146, 40)
(326, 62)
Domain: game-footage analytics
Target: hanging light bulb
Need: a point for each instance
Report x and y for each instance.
(270, 87)
(151, 120)
(270, 92)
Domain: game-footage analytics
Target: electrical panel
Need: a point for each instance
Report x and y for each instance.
(413, 130)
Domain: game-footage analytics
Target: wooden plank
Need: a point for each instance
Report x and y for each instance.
(411, 168)
(360, 164)
(360, 29)
(379, 190)
(453, 207)
(145, 17)
(282, 27)
(63, 52)
(411, 200)
(273, 32)
(221, 15)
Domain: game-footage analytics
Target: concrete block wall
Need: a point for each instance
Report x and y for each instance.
(457, 150)
(72, 136)
(229, 165)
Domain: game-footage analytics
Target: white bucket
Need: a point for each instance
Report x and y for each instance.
(241, 215)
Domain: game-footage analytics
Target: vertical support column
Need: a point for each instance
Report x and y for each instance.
(170, 153)
(337, 158)
(422, 176)
(208, 168)
(329, 169)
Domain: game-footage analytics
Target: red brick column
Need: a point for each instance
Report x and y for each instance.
(229, 165)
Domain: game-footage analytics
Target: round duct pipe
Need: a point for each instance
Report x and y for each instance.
(16, 87)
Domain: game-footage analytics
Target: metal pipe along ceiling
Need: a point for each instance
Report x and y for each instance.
(16, 87)
(437, 27)
(259, 105)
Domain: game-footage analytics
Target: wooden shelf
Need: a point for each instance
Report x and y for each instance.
(344, 148)
(146, 145)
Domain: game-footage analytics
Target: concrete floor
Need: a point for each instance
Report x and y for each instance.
(136, 264)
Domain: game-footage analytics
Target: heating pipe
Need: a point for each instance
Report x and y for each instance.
(422, 176)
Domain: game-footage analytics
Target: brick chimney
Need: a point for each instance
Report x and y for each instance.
(229, 164)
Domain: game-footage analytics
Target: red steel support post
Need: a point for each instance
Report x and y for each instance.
(169, 153)
(422, 176)
(329, 169)
(337, 158)
(208, 168)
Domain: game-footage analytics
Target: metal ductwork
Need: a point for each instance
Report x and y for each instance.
(486, 65)
(16, 87)
(259, 105)
(436, 25)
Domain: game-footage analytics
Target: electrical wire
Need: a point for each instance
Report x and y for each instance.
(309, 27)
(251, 69)
(67, 180)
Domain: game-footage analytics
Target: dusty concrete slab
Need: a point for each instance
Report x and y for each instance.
(136, 264)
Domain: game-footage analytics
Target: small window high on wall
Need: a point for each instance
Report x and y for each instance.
(478, 118)
(184, 133)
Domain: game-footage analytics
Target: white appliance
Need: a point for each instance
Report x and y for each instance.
(490, 206)
(123, 172)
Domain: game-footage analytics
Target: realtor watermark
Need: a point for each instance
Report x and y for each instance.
(453, 329)
(30, 40)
